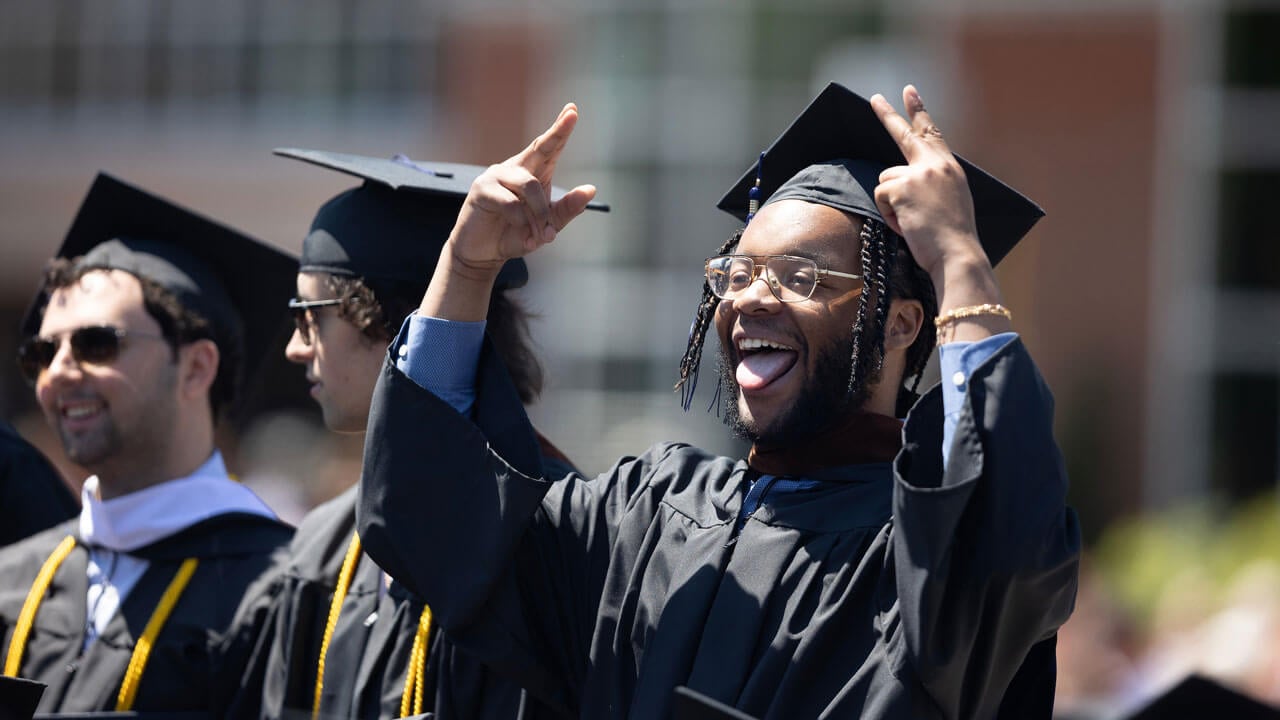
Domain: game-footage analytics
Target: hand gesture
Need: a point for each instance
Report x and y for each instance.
(508, 212)
(926, 201)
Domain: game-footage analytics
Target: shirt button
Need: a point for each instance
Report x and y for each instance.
(404, 351)
(958, 379)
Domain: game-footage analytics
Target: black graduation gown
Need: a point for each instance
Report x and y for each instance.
(33, 495)
(915, 593)
(182, 672)
(368, 658)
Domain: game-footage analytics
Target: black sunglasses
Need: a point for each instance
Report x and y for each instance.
(94, 344)
(302, 316)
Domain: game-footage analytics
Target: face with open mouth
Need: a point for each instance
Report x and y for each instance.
(788, 363)
(105, 412)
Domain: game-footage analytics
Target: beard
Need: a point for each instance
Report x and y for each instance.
(824, 399)
(91, 448)
(137, 435)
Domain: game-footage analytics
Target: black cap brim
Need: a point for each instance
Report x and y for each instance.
(840, 125)
(401, 173)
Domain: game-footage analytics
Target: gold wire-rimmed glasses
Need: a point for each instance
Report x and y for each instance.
(790, 278)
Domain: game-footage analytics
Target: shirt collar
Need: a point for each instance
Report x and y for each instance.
(140, 518)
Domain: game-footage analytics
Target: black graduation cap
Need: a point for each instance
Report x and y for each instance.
(394, 225)
(240, 285)
(1197, 697)
(833, 154)
(19, 697)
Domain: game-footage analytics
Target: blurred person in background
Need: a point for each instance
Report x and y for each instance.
(33, 495)
(342, 640)
(851, 566)
(1169, 594)
(149, 319)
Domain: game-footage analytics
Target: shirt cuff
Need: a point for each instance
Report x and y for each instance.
(441, 357)
(957, 361)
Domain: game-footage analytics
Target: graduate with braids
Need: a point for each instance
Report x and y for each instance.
(880, 262)
(854, 565)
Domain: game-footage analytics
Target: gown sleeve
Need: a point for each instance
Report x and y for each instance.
(985, 549)
(459, 510)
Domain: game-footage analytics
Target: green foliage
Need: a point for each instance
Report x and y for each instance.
(1162, 566)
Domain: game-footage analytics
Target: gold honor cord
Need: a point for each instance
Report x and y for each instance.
(411, 699)
(27, 617)
(335, 607)
(141, 650)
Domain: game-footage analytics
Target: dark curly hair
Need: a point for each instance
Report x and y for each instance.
(179, 325)
(889, 272)
(378, 308)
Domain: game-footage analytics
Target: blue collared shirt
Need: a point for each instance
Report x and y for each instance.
(441, 356)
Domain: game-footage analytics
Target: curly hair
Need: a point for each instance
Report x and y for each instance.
(378, 308)
(889, 272)
(179, 325)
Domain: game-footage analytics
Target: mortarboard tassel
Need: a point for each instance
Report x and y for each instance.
(753, 195)
(402, 159)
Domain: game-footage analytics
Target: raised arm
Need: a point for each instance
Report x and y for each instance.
(453, 499)
(985, 549)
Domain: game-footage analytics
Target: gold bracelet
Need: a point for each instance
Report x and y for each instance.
(967, 311)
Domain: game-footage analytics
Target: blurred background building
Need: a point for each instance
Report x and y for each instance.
(1150, 294)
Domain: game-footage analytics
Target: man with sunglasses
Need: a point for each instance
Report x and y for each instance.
(851, 565)
(341, 639)
(147, 324)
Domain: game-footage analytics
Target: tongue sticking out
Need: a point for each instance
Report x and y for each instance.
(761, 368)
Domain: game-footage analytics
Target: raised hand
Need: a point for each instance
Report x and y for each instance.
(508, 213)
(927, 202)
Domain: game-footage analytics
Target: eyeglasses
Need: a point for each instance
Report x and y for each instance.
(302, 318)
(94, 344)
(790, 279)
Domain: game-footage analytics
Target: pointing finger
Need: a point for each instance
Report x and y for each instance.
(921, 124)
(899, 129)
(541, 156)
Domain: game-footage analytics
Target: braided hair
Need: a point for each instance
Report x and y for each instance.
(692, 357)
(889, 272)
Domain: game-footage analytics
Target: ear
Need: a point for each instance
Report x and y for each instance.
(198, 367)
(906, 316)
